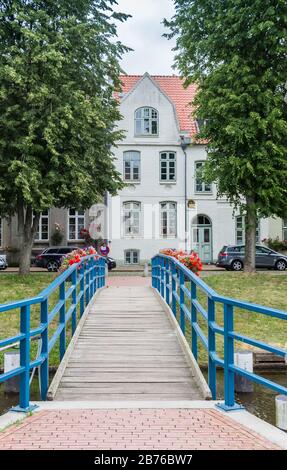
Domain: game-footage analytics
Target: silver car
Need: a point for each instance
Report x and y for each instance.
(232, 258)
(3, 262)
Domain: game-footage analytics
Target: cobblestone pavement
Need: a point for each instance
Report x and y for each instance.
(133, 429)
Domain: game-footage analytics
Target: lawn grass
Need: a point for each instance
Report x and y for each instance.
(15, 287)
(265, 289)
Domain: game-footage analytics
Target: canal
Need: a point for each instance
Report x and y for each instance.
(261, 402)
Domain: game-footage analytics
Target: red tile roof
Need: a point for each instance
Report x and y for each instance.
(181, 97)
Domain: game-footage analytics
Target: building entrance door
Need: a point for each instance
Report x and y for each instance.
(201, 239)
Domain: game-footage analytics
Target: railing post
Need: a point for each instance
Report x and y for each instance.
(193, 321)
(74, 301)
(211, 349)
(44, 368)
(229, 400)
(153, 272)
(167, 281)
(103, 273)
(63, 321)
(82, 290)
(24, 402)
(162, 277)
(87, 283)
(181, 298)
(173, 288)
(25, 357)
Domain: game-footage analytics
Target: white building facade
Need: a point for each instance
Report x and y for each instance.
(166, 204)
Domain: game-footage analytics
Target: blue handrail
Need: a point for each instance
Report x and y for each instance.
(89, 275)
(169, 277)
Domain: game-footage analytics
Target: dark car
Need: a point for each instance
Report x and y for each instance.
(232, 258)
(111, 263)
(51, 257)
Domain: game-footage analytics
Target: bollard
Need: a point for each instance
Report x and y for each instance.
(145, 271)
(244, 360)
(12, 361)
(106, 270)
(281, 412)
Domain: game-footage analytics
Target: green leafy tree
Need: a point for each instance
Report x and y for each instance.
(59, 67)
(235, 50)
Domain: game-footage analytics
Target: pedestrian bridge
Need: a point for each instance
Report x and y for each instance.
(128, 347)
(132, 343)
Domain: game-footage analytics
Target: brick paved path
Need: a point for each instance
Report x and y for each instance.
(128, 281)
(160, 429)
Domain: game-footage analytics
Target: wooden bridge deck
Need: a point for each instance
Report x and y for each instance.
(128, 349)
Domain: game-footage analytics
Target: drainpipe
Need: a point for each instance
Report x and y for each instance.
(185, 142)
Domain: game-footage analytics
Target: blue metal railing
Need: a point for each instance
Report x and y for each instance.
(170, 278)
(84, 279)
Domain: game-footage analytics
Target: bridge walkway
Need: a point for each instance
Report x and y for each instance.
(129, 348)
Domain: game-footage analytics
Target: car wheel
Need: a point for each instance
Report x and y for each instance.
(52, 266)
(237, 265)
(281, 265)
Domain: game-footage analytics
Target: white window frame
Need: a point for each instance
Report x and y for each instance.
(284, 230)
(131, 230)
(133, 157)
(242, 229)
(132, 251)
(141, 116)
(169, 212)
(75, 216)
(168, 160)
(206, 187)
(39, 234)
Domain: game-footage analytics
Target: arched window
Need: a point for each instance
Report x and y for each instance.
(146, 121)
(168, 219)
(201, 220)
(131, 223)
(132, 165)
(167, 167)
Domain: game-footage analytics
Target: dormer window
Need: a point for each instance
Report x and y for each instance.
(201, 124)
(146, 121)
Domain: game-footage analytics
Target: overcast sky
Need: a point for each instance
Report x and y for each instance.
(143, 33)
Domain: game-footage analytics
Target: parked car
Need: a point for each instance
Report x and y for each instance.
(3, 262)
(111, 263)
(51, 257)
(232, 258)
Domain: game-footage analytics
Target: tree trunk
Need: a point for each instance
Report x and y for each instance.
(25, 257)
(250, 235)
(27, 228)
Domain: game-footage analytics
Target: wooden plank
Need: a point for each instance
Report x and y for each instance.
(128, 350)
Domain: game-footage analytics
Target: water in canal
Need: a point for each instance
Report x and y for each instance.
(260, 403)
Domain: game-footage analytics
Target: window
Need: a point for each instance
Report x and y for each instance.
(146, 121)
(240, 230)
(132, 166)
(260, 250)
(132, 211)
(43, 229)
(132, 257)
(200, 185)
(285, 229)
(168, 219)
(167, 167)
(76, 224)
(201, 124)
